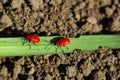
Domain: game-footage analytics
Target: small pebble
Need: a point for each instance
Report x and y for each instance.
(96, 28)
(36, 4)
(48, 77)
(30, 78)
(32, 70)
(109, 11)
(17, 69)
(92, 20)
(6, 20)
(86, 67)
(3, 1)
(16, 3)
(1, 9)
(99, 76)
(77, 16)
(71, 71)
(4, 71)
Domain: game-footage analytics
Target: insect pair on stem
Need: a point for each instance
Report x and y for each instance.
(58, 42)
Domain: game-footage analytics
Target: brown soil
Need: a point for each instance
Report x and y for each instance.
(70, 18)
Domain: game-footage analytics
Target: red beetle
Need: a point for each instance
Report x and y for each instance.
(32, 38)
(60, 42)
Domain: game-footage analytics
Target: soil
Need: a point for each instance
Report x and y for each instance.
(70, 18)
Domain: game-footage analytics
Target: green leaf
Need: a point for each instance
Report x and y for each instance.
(14, 47)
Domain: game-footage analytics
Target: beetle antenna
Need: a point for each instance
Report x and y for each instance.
(47, 48)
(46, 41)
(56, 47)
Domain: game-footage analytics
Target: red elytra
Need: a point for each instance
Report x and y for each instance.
(33, 38)
(63, 42)
(59, 42)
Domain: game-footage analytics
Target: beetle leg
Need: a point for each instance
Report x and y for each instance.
(48, 47)
(29, 46)
(46, 41)
(61, 49)
(35, 44)
(63, 53)
(56, 48)
(24, 41)
(66, 47)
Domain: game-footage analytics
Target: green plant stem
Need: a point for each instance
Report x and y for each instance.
(14, 47)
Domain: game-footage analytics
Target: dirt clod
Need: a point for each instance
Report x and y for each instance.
(16, 3)
(71, 71)
(17, 69)
(30, 78)
(4, 71)
(31, 71)
(48, 77)
(99, 75)
(109, 11)
(115, 26)
(92, 20)
(5, 19)
(92, 28)
(85, 68)
(36, 4)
